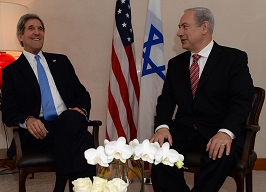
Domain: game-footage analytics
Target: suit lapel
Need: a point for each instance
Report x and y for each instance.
(28, 73)
(56, 71)
(184, 74)
(187, 76)
(50, 59)
(210, 64)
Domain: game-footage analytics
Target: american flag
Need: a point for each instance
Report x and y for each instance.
(123, 90)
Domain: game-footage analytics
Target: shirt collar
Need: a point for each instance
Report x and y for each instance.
(30, 57)
(205, 52)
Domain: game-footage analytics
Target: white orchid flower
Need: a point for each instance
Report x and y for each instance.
(146, 151)
(105, 142)
(133, 144)
(118, 150)
(97, 156)
(167, 156)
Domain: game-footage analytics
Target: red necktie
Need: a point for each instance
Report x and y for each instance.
(194, 74)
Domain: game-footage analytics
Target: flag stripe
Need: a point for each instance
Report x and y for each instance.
(133, 70)
(113, 109)
(110, 123)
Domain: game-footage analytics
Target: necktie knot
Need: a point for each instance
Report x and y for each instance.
(37, 58)
(196, 57)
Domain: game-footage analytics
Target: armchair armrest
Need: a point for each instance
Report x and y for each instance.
(251, 131)
(253, 128)
(95, 131)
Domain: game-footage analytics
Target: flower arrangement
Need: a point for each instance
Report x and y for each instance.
(118, 152)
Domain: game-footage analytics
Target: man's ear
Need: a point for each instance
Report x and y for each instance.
(205, 27)
(19, 36)
(20, 39)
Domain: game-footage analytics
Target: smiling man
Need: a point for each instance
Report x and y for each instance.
(212, 89)
(42, 93)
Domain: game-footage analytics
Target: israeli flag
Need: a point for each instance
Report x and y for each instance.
(153, 70)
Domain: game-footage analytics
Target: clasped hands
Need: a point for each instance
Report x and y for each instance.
(37, 128)
(216, 146)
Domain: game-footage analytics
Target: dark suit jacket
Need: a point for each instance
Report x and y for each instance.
(223, 98)
(21, 92)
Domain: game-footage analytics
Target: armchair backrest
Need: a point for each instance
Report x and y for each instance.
(257, 103)
(253, 127)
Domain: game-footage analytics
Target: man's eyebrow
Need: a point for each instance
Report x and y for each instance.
(182, 24)
(40, 26)
(185, 23)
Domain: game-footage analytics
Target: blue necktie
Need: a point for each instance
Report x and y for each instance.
(48, 107)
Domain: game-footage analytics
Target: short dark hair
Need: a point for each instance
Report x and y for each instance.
(203, 14)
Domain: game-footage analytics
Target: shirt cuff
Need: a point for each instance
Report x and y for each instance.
(232, 135)
(85, 111)
(161, 126)
(23, 125)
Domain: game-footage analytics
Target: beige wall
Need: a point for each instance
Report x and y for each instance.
(82, 29)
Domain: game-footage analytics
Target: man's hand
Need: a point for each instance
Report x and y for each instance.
(78, 110)
(36, 128)
(217, 144)
(161, 135)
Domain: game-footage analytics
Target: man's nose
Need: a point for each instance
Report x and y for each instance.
(36, 31)
(179, 32)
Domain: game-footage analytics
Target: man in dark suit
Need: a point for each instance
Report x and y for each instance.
(211, 116)
(65, 133)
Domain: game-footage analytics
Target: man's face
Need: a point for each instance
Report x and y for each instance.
(33, 37)
(190, 34)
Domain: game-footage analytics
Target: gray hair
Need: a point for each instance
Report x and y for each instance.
(21, 23)
(203, 14)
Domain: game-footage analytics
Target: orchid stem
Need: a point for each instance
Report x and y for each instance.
(103, 171)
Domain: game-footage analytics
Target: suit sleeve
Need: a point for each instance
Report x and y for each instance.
(11, 112)
(241, 94)
(165, 102)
